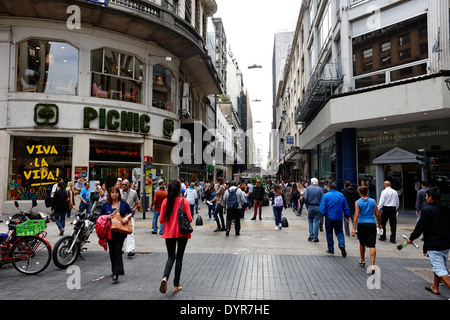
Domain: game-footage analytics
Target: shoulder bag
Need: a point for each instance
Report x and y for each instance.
(118, 226)
(69, 200)
(183, 222)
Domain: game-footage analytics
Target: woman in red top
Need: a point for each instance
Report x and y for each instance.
(169, 216)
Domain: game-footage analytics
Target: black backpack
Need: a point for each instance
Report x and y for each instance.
(48, 199)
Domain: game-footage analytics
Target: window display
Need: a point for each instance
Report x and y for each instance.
(35, 164)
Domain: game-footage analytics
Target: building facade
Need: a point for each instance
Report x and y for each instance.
(89, 90)
(365, 88)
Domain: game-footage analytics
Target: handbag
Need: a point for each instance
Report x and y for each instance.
(183, 222)
(69, 201)
(119, 227)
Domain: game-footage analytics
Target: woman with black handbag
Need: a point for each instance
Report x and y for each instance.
(173, 210)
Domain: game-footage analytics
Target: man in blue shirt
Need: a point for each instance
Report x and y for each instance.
(332, 206)
(313, 196)
(85, 198)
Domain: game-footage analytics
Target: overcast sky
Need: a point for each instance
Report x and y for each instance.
(250, 26)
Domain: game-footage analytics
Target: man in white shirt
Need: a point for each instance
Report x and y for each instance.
(388, 206)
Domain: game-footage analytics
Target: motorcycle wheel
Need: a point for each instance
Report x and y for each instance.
(62, 258)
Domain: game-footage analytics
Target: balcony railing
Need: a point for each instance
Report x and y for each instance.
(142, 6)
(324, 80)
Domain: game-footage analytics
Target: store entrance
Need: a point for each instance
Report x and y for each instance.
(403, 178)
(109, 173)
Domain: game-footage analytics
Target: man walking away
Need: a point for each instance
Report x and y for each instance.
(158, 199)
(388, 205)
(421, 200)
(313, 196)
(234, 199)
(332, 206)
(351, 195)
(435, 226)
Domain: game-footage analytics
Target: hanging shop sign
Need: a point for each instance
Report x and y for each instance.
(114, 120)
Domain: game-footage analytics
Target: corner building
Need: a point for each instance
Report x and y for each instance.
(364, 88)
(89, 88)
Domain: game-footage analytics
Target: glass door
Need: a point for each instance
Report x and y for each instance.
(394, 174)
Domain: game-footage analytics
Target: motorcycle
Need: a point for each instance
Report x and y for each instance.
(67, 249)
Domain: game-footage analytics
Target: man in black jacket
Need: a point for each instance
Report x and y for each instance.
(258, 197)
(435, 226)
(351, 195)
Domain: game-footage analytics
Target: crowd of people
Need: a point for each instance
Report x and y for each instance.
(325, 206)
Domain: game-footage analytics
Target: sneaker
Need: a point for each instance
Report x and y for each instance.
(254, 218)
(131, 254)
(276, 228)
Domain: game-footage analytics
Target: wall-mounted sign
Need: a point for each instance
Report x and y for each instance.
(290, 140)
(46, 114)
(114, 120)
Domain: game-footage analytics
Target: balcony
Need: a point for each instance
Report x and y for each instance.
(139, 19)
(324, 81)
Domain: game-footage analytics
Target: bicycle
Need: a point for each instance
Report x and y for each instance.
(25, 245)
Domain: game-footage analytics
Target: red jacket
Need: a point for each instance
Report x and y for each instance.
(170, 229)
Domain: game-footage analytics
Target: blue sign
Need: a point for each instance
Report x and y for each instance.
(290, 140)
(102, 2)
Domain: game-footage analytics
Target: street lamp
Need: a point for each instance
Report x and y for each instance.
(255, 66)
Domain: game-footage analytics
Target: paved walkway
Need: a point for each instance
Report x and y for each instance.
(260, 264)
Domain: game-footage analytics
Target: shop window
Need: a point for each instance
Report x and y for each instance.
(127, 160)
(116, 76)
(35, 164)
(399, 44)
(164, 89)
(47, 67)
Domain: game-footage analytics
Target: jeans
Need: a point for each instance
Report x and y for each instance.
(219, 210)
(85, 206)
(192, 206)
(175, 255)
(60, 220)
(196, 205)
(277, 211)
(335, 225)
(211, 209)
(347, 224)
(155, 223)
(314, 216)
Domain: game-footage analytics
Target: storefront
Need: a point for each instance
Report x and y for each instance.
(388, 153)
